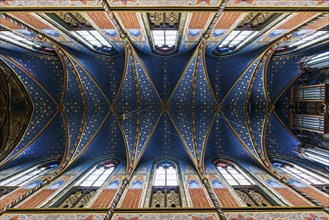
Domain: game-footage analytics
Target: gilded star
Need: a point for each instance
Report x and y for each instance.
(243, 1)
(201, 1)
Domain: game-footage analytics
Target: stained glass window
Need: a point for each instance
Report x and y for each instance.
(23, 41)
(236, 39)
(165, 189)
(165, 175)
(11, 183)
(81, 193)
(94, 39)
(26, 176)
(244, 186)
(303, 174)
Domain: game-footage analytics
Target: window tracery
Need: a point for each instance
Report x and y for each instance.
(11, 183)
(82, 192)
(165, 189)
(306, 176)
(248, 29)
(77, 25)
(250, 193)
(164, 28)
(24, 41)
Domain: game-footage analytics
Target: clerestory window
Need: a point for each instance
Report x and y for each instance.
(244, 186)
(80, 194)
(165, 189)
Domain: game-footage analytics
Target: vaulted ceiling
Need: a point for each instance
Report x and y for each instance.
(135, 103)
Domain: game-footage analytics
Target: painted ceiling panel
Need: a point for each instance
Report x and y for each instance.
(51, 74)
(279, 142)
(75, 108)
(44, 108)
(281, 70)
(234, 106)
(150, 108)
(180, 105)
(106, 70)
(223, 142)
(283, 108)
(50, 144)
(98, 108)
(165, 142)
(165, 71)
(121, 113)
(127, 106)
(224, 71)
(204, 107)
(113, 147)
(257, 109)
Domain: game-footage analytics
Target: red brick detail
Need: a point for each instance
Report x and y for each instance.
(317, 24)
(36, 200)
(297, 20)
(132, 198)
(199, 20)
(104, 199)
(101, 20)
(227, 20)
(129, 20)
(226, 198)
(293, 197)
(12, 197)
(31, 20)
(198, 198)
(315, 194)
(8, 24)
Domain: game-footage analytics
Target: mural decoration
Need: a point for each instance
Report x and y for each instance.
(136, 190)
(278, 215)
(35, 3)
(44, 105)
(185, 216)
(80, 216)
(278, 3)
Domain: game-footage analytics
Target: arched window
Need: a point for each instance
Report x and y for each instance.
(11, 183)
(308, 40)
(315, 154)
(305, 175)
(165, 189)
(164, 28)
(82, 191)
(248, 29)
(77, 25)
(24, 40)
(245, 187)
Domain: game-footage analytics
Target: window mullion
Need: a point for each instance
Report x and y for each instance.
(78, 199)
(234, 38)
(166, 177)
(252, 199)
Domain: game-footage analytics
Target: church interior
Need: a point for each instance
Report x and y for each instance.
(164, 110)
